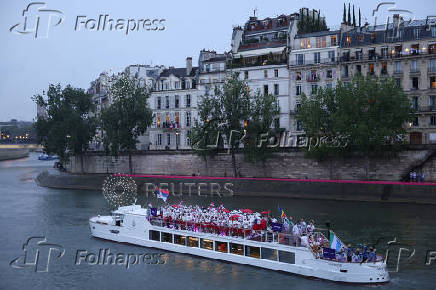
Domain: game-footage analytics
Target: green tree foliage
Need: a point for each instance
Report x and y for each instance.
(127, 118)
(311, 22)
(232, 115)
(69, 125)
(367, 116)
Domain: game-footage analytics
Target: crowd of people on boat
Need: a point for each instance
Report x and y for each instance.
(246, 223)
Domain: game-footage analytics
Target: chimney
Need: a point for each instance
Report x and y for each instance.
(396, 21)
(188, 65)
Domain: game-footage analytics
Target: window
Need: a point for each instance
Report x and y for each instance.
(358, 69)
(167, 237)
(346, 55)
(176, 102)
(433, 31)
(414, 66)
(398, 68)
(415, 121)
(415, 83)
(329, 85)
(253, 252)
(398, 81)
(433, 120)
(298, 76)
(298, 90)
(276, 89)
(416, 32)
(332, 57)
(299, 126)
(432, 65)
(432, 82)
(371, 69)
(168, 139)
(415, 103)
(265, 90)
(432, 100)
(206, 244)
(269, 254)
(246, 75)
(359, 53)
(414, 49)
(361, 37)
(299, 58)
(371, 53)
(265, 74)
(329, 74)
(154, 235)
(348, 40)
(187, 139)
(177, 85)
(193, 242)
(159, 140)
(221, 247)
(188, 101)
(237, 249)
(305, 43)
(159, 103)
(167, 102)
(384, 68)
(180, 240)
(276, 73)
(188, 119)
(345, 71)
(333, 40)
(384, 52)
(277, 123)
(317, 57)
(287, 257)
(314, 89)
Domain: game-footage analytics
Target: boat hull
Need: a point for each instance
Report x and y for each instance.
(305, 263)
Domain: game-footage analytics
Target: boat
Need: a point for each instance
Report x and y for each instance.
(46, 157)
(269, 249)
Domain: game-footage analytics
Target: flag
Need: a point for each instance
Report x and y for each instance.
(335, 243)
(162, 193)
(282, 213)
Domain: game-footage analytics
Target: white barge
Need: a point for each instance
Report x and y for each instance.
(270, 250)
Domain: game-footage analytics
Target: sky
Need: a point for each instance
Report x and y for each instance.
(61, 54)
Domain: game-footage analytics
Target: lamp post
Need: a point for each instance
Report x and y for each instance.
(177, 140)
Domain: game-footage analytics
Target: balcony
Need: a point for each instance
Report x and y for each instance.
(432, 69)
(313, 78)
(415, 72)
(313, 62)
(426, 109)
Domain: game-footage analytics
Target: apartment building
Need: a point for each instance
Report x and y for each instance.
(402, 50)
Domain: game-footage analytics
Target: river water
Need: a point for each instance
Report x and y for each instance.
(61, 216)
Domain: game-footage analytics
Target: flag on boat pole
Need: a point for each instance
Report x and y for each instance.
(282, 213)
(335, 243)
(162, 194)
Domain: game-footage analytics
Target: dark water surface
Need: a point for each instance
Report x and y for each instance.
(61, 216)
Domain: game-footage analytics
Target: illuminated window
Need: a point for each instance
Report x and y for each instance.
(206, 244)
(221, 247)
(348, 40)
(193, 242)
(180, 240)
(253, 252)
(333, 40)
(371, 69)
(237, 249)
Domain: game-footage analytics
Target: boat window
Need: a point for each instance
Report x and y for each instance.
(154, 235)
(237, 249)
(269, 254)
(180, 240)
(253, 252)
(287, 257)
(167, 237)
(206, 244)
(193, 242)
(221, 247)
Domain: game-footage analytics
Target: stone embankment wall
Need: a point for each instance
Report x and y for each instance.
(13, 153)
(289, 164)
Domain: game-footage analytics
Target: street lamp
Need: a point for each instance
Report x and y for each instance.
(177, 140)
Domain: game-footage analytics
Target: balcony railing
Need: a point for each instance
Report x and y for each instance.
(313, 62)
(431, 108)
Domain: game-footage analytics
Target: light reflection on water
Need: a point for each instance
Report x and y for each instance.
(61, 215)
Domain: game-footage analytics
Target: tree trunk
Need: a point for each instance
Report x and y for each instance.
(235, 174)
(130, 163)
(367, 167)
(81, 164)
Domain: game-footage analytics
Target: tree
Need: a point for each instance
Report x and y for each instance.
(354, 18)
(69, 125)
(344, 17)
(366, 116)
(127, 118)
(360, 19)
(349, 15)
(233, 116)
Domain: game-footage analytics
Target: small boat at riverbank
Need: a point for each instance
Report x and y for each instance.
(269, 248)
(46, 157)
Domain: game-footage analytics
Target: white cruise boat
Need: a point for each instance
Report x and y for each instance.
(266, 249)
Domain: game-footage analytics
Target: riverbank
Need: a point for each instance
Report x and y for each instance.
(13, 153)
(345, 190)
